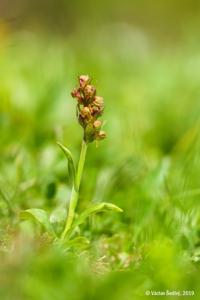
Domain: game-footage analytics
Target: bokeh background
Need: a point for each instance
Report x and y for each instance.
(144, 58)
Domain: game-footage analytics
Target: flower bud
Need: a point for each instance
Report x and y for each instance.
(96, 111)
(76, 94)
(84, 80)
(89, 92)
(97, 124)
(89, 133)
(98, 101)
(101, 135)
(85, 113)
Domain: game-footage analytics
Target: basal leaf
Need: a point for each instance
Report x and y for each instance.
(94, 209)
(39, 215)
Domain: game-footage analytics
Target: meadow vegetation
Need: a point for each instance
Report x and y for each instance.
(148, 165)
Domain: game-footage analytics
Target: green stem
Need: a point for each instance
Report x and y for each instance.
(75, 190)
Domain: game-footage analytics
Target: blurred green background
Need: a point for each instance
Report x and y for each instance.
(144, 58)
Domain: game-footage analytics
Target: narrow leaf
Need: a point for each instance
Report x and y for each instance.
(93, 209)
(40, 216)
(80, 242)
(71, 166)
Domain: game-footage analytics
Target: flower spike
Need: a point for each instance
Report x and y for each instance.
(89, 108)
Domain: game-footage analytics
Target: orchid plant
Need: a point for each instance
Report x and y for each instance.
(89, 108)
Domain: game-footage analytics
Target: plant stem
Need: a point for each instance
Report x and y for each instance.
(75, 190)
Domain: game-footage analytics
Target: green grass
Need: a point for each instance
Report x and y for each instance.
(149, 165)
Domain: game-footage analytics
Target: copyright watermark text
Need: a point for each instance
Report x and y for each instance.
(169, 293)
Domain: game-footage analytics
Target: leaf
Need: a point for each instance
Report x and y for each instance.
(80, 242)
(71, 166)
(40, 216)
(93, 209)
